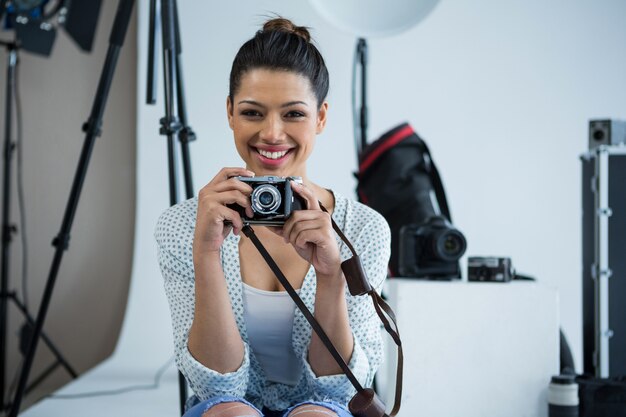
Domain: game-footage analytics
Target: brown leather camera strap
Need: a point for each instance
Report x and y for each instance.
(359, 285)
(365, 403)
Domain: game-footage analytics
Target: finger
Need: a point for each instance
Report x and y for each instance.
(299, 216)
(243, 201)
(233, 184)
(226, 173)
(304, 227)
(306, 237)
(233, 197)
(231, 217)
(307, 194)
(211, 194)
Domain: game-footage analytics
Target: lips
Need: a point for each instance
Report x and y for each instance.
(272, 156)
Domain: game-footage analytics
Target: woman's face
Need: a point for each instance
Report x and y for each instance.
(275, 118)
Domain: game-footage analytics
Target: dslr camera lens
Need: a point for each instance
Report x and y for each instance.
(450, 246)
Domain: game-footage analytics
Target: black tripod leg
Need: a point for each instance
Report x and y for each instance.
(362, 48)
(60, 359)
(45, 374)
(7, 230)
(170, 124)
(92, 130)
(172, 168)
(186, 134)
(184, 147)
(151, 78)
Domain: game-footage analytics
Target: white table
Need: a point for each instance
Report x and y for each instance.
(473, 349)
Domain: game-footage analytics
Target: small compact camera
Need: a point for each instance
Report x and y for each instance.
(272, 200)
(489, 269)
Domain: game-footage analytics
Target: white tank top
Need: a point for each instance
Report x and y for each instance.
(269, 323)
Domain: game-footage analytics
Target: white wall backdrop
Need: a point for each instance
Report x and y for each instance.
(502, 91)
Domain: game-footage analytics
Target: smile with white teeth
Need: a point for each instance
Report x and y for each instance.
(272, 155)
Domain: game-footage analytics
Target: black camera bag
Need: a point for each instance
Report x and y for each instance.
(390, 179)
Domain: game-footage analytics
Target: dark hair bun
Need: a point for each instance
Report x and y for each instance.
(281, 45)
(281, 24)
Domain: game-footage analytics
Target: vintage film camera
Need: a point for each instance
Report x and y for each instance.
(272, 200)
(489, 269)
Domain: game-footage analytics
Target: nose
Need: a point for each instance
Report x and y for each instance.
(272, 130)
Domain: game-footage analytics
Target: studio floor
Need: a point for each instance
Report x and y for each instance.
(107, 377)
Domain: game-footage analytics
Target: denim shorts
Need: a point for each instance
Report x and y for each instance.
(200, 408)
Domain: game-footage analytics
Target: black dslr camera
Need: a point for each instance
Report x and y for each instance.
(272, 200)
(431, 249)
(398, 178)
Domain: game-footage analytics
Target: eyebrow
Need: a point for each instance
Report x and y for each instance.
(288, 104)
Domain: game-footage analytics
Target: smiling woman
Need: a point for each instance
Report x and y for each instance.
(267, 361)
(275, 117)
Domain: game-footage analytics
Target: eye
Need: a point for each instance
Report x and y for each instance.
(294, 114)
(250, 113)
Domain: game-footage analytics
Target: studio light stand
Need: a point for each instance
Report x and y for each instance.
(8, 230)
(367, 19)
(92, 129)
(174, 123)
(360, 136)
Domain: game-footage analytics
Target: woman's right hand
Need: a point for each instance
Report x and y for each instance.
(211, 229)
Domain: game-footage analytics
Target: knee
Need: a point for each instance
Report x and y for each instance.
(231, 409)
(311, 410)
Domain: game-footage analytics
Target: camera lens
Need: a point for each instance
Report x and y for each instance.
(598, 135)
(450, 245)
(265, 199)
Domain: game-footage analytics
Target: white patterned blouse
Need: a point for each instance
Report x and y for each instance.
(369, 234)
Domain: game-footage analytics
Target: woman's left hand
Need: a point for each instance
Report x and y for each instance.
(311, 234)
